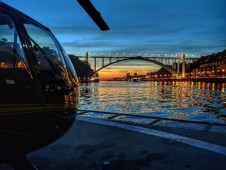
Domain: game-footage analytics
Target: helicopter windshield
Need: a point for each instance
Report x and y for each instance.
(47, 53)
(12, 55)
(69, 63)
(37, 48)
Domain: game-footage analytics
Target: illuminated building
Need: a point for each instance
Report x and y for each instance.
(211, 66)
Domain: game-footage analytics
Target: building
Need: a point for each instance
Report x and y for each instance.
(211, 66)
(127, 75)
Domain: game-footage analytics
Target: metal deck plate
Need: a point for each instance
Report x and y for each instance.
(97, 115)
(178, 124)
(134, 119)
(204, 126)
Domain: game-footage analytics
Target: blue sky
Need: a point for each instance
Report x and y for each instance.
(137, 26)
(194, 27)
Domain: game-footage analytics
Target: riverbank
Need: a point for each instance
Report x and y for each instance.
(210, 80)
(89, 81)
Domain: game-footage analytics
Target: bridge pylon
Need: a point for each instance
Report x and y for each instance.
(178, 64)
(183, 65)
(87, 56)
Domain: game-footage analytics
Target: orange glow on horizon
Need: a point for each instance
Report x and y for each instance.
(110, 75)
(121, 69)
(119, 73)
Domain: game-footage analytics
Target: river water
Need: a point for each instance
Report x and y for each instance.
(180, 100)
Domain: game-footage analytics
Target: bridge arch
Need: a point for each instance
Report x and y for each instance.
(139, 58)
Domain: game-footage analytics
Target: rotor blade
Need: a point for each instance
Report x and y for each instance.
(94, 14)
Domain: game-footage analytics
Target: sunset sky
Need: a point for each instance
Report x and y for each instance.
(194, 27)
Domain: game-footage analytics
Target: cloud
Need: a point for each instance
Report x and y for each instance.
(142, 26)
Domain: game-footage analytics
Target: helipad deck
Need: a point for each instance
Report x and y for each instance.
(110, 141)
(145, 120)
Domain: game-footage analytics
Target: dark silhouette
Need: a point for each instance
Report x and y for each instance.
(82, 68)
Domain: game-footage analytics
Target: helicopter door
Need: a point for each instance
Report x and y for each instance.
(50, 67)
(21, 108)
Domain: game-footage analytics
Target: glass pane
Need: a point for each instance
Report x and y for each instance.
(69, 64)
(47, 54)
(11, 53)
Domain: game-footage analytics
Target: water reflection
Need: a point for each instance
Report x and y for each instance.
(180, 100)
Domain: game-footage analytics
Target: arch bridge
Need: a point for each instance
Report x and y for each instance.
(171, 64)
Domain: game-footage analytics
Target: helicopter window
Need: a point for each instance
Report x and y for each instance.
(70, 67)
(69, 64)
(43, 61)
(11, 53)
(47, 54)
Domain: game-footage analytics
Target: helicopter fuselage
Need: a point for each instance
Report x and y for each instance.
(38, 85)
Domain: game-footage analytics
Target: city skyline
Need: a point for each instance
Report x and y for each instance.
(138, 27)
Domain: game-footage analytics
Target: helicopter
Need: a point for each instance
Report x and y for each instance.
(39, 88)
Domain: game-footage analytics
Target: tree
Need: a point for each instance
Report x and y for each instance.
(82, 68)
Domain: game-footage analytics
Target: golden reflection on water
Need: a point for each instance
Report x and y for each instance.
(181, 100)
